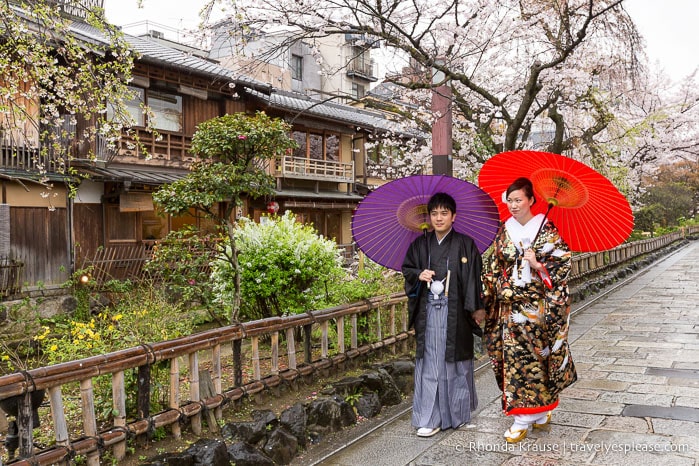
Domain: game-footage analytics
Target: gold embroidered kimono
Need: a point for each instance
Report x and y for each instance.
(526, 326)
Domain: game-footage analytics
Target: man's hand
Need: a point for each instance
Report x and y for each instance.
(426, 275)
(478, 316)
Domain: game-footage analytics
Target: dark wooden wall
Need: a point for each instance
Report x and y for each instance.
(88, 231)
(39, 238)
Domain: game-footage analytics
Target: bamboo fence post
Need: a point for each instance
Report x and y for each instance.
(25, 425)
(324, 339)
(218, 388)
(291, 348)
(404, 324)
(255, 347)
(58, 416)
(89, 421)
(143, 397)
(174, 401)
(392, 325)
(119, 406)
(194, 390)
(275, 353)
(207, 390)
(307, 345)
(353, 338)
(237, 348)
(379, 333)
(340, 321)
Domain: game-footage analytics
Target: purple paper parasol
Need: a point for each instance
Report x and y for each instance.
(388, 219)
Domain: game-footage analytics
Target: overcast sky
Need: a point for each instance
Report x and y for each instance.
(669, 26)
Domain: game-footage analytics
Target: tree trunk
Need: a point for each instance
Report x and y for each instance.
(235, 306)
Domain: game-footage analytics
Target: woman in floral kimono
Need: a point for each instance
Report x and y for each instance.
(527, 313)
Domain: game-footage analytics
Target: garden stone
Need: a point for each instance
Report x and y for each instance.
(251, 432)
(347, 386)
(382, 383)
(281, 446)
(369, 405)
(324, 415)
(171, 459)
(402, 373)
(209, 452)
(243, 454)
(347, 415)
(293, 419)
(400, 367)
(265, 416)
(315, 437)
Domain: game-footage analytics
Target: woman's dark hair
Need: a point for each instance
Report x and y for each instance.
(441, 200)
(525, 185)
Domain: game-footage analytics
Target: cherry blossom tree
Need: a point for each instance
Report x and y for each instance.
(58, 77)
(510, 62)
(564, 76)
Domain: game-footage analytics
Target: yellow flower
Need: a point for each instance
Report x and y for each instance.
(53, 347)
(117, 317)
(5, 357)
(43, 335)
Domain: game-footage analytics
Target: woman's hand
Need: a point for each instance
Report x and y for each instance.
(530, 256)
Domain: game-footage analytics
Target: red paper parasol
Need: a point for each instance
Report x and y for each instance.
(588, 210)
(388, 219)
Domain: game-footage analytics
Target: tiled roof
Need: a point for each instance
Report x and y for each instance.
(361, 118)
(154, 52)
(157, 53)
(145, 175)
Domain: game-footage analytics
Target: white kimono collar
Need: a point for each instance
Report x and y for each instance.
(523, 233)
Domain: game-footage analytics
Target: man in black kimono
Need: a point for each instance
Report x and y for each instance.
(442, 272)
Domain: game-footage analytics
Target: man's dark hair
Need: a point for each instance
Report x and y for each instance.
(441, 200)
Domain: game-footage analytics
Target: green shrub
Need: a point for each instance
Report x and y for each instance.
(181, 262)
(286, 268)
(358, 283)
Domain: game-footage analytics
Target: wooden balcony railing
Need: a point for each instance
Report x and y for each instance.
(169, 147)
(312, 169)
(30, 159)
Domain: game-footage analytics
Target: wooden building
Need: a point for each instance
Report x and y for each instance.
(113, 211)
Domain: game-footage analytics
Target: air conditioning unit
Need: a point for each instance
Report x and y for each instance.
(156, 34)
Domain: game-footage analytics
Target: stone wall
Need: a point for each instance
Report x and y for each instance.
(268, 439)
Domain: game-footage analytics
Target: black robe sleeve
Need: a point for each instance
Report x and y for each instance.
(414, 263)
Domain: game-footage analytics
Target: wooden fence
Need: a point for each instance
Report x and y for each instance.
(387, 317)
(10, 276)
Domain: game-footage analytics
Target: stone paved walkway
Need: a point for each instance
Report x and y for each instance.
(636, 401)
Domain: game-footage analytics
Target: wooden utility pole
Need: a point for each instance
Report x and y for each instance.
(442, 163)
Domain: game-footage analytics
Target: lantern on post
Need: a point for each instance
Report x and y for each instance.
(272, 207)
